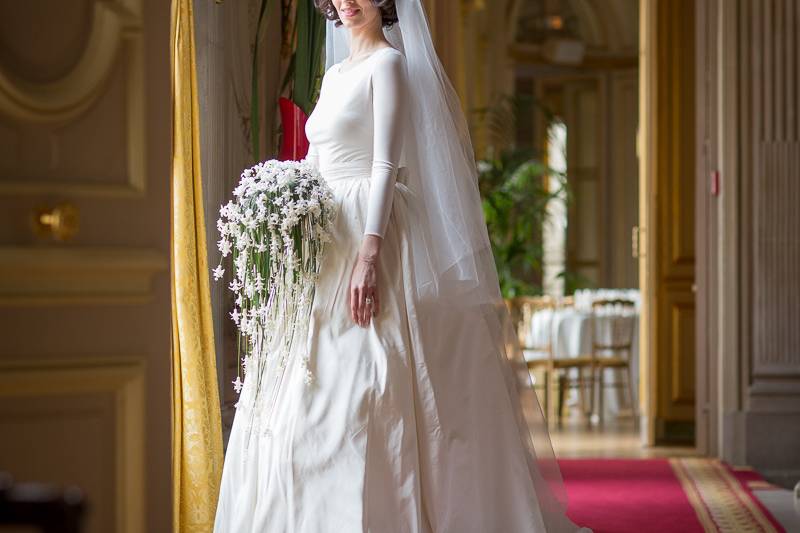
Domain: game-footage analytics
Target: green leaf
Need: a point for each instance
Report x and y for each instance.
(308, 54)
(516, 188)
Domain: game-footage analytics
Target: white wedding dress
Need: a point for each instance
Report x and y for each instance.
(394, 434)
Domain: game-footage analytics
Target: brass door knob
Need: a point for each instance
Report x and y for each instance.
(61, 222)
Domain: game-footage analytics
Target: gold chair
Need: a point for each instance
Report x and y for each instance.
(567, 301)
(562, 367)
(553, 369)
(523, 309)
(613, 352)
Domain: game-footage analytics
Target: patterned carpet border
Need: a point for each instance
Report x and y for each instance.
(721, 502)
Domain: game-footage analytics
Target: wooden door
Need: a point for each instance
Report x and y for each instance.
(84, 247)
(667, 220)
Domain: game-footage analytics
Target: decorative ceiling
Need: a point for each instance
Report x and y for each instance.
(605, 27)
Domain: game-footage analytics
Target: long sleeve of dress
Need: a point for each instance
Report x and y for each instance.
(388, 102)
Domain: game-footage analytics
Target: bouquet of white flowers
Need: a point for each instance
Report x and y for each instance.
(275, 229)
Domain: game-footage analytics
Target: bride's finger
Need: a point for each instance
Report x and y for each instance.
(355, 298)
(364, 306)
(367, 309)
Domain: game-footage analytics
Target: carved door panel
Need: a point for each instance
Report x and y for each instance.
(84, 247)
(667, 221)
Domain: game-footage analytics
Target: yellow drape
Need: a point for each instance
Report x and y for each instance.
(197, 454)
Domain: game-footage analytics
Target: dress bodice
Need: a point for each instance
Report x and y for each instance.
(342, 126)
(359, 118)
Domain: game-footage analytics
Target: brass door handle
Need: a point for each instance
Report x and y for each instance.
(61, 222)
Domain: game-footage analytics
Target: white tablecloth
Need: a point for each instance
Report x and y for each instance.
(570, 329)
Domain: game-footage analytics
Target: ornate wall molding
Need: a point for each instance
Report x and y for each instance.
(69, 276)
(115, 42)
(121, 377)
(69, 96)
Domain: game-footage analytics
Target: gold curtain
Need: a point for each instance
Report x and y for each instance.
(197, 454)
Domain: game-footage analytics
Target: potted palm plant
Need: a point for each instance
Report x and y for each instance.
(516, 187)
(515, 194)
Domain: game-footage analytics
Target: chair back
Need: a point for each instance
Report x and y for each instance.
(523, 312)
(612, 332)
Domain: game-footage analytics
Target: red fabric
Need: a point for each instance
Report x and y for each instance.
(627, 495)
(294, 146)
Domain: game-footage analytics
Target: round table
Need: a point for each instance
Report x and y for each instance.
(571, 332)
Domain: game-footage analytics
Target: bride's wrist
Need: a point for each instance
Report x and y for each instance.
(370, 248)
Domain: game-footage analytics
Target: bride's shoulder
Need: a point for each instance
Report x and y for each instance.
(330, 68)
(328, 71)
(388, 58)
(389, 52)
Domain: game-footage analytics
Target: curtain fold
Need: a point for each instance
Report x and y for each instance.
(197, 453)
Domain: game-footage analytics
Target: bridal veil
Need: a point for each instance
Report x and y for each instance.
(453, 263)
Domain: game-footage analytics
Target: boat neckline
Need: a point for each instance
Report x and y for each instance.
(362, 61)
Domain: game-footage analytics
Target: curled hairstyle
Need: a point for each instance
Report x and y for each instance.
(387, 7)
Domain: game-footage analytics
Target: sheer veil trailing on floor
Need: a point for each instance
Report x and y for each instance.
(453, 267)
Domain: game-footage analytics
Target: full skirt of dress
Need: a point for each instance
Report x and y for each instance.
(391, 435)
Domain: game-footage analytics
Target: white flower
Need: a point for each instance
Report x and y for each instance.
(235, 316)
(218, 272)
(224, 210)
(250, 223)
(237, 384)
(249, 289)
(241, 264)
(224, 246)
(235, 286)
(243, 242)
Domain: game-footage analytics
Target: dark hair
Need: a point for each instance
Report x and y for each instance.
(387, 7)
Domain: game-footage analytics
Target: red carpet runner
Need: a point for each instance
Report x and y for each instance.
(663, 496)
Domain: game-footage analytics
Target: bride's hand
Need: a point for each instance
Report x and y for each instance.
(364, 282)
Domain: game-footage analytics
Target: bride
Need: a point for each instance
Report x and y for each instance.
(413, 421)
